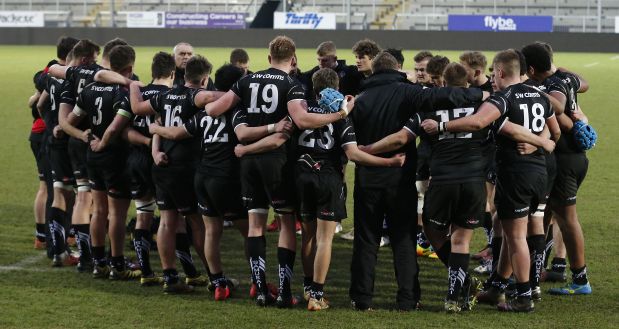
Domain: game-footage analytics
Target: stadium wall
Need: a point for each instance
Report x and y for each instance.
(570, 42)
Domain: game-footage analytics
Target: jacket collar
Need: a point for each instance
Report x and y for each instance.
(384, 77)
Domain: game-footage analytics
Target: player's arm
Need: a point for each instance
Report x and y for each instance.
(521, 134)
(172, 133)
(558, 101)
(579, 115)
(41, 103)
(247, 134)
(69, 117)
(354, 154)
(32, 100)
(553, 127)
(206, 96)
(487, 113)
(121, 120)
(58, 71)
(160, 158)
(221, 104)
(584, 85)
(389, 143)
(266, 144)
(139, 106)
(134, 137)
(111, 77)
(445, 97)
(305, 120)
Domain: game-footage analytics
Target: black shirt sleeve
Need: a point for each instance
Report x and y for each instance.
(192, 126)
(346, 132)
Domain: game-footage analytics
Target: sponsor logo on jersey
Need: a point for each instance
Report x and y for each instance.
(97, 88)
(268, 76)
(527, 95)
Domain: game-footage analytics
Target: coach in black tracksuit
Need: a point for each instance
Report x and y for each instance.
(387, 100)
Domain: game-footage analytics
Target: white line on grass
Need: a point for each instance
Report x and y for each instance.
(592, 64)
(614, 58)
(23, 264)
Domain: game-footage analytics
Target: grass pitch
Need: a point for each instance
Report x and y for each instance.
(33, 295)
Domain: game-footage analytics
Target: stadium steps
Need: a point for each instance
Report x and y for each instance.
(384, 17)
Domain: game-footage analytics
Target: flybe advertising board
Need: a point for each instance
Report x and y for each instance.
(500, 23)
(304, 21)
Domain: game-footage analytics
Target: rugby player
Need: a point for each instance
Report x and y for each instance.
(267, 97)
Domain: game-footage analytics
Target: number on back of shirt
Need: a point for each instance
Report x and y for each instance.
(268, 98)
(325, 142)
(218, 124)
(533, 118)
(452, 115)
(173, 115)
(52, 91)
(96, 120)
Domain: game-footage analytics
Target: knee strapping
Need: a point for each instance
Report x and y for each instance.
(145, 207)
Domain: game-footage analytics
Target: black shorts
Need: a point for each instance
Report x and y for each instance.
(462, 204)
(60, 163)
(77, 153)
(110, 174)
(267, 180)
(571, 172)
(174, 188)
(140, 163)
(424, 151)
(518, 194)
(219, 196)
(320, 194)
(551, 170)
(490, 158)
(38, 150)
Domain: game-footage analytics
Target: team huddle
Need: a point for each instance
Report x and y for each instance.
(505, 152)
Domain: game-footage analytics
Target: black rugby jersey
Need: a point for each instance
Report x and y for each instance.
(140, 122)
(325, 143)
(456, 157)
(77, 78)
(101, 102)
(523, 105)
(54, 88)
(176, 106)
(217, 141)
(265, 96)
(571, 83)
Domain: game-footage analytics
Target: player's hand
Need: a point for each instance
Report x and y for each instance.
(350, 103)
(85, 137)
(526, 148)
(577, 115)
(58, 133)
(284, 126)
(153, 127)
(239, 150)
(160, 159)
(398, 160)
(430, 126)
(549, 145)
(96, 145)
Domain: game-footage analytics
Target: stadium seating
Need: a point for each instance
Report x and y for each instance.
(569, 15)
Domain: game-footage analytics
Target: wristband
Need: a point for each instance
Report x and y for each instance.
(342, 113)
(271, 128)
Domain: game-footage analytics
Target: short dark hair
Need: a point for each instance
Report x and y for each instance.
(163, 65)
(197, 68)
(384, 61)
(397, 54)
(422, 55)
(455, 75)
(107, 48)
(509, 61)
(239, 55)
(85, 48)
(537, 57)
(325, 78)
(437, 65)
(548, 47)
(121, 57)
(366, 47)
(64, 46)
(226, 76)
